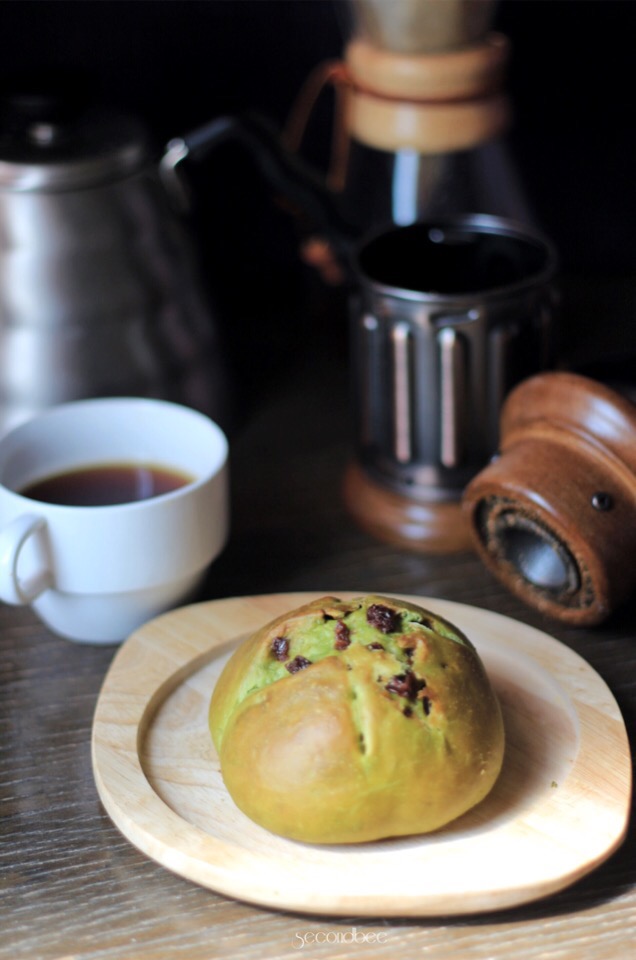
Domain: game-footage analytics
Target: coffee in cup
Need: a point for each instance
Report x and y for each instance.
(111, 511)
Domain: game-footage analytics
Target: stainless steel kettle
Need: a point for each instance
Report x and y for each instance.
(100, 290)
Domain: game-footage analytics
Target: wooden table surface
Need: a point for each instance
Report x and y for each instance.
(73, 887)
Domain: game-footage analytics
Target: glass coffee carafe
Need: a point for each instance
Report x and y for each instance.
(421, 114)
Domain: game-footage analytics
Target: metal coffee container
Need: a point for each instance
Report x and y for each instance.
(449, 315)
(100, 291)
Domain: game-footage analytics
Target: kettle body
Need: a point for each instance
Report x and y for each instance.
(100, 289)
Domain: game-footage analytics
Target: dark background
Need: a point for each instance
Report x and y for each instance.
(178, 63)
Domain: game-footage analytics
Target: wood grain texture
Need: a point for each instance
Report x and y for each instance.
(73, 886)
(559, 808)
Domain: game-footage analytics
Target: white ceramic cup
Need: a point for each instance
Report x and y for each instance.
(95, 574)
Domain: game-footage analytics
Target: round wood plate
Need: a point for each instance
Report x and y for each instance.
(559, 808)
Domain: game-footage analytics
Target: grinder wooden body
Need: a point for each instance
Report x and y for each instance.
(553, 516)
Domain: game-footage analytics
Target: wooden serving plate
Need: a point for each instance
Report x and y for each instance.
(559, 809)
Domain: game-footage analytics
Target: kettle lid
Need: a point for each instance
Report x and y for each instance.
(59, 141)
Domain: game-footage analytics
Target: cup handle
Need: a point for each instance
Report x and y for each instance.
(13, 537)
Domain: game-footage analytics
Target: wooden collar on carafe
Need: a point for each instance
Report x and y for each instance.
(431, 103)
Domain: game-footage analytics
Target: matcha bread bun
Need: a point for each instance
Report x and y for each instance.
(352, 720)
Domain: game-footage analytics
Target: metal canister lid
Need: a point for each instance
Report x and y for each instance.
(47, 143)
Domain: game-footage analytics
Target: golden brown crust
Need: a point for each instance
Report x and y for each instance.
(395, 730)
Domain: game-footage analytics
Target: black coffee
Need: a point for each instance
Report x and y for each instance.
(106, 484)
